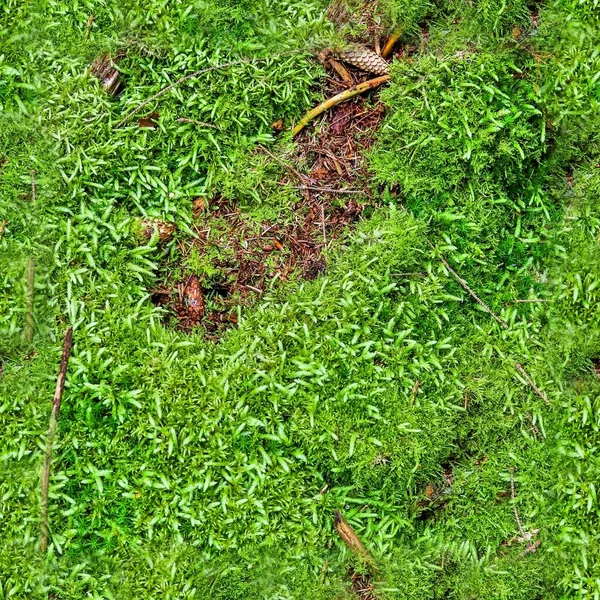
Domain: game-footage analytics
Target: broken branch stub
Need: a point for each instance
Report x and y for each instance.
(350, 538)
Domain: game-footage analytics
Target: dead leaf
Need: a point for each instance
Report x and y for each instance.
(192, 300)
(198, 206)
(149, 121)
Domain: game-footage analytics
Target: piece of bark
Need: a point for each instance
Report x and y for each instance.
(350, 538)
(105, 71)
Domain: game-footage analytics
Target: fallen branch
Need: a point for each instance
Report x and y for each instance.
(58, 393)
(180, 81)
(464, 285)
(530, 381)
(338, 99)
(392, 41)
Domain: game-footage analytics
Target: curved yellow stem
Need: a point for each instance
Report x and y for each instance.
(392, 40)
(338, 99)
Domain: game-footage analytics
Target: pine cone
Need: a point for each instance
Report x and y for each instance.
(365, 59)
(165, 229)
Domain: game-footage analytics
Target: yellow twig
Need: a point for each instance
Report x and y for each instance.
(392, 40)
(342, 97)
(341, 71)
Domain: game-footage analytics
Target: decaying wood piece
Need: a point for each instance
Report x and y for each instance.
(348, 94)
(105, 70)
(365, 59)
(350, 538)
(58, 394)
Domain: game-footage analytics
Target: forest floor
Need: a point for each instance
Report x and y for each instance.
(358, 362)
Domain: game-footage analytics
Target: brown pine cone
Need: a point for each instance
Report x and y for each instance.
(365, 59)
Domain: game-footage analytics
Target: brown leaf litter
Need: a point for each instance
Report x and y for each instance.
(242, 259)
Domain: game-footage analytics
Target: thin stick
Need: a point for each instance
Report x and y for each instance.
(464, 285)
(338, 99)
(283, 163)
(323, 225)
(29, 294)
(392, 40)
(512, 493)
(322, 189)
(531, 383)
(3, 225)
(58, 393)
(33, 185)
(180, 81)
(193, 122)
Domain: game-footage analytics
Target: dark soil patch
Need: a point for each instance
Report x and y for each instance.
(242, 259)
(362, 586)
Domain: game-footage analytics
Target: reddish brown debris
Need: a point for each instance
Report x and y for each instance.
(190, 303)
(246, 258)
(362, 586)
(150, 121)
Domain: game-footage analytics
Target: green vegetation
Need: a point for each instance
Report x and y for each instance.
(185, 468)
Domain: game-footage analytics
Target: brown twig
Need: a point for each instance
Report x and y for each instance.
(525, 535)
(530, 381)
(33, 195)
(512, 493)
(3, 225)
(315, 188)
(323, 225)
(392, 40)
(341, 70)
(182, 80)
(58, 393)
(284, 164)
(338, 99)
(29, 294)
(465, 286)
